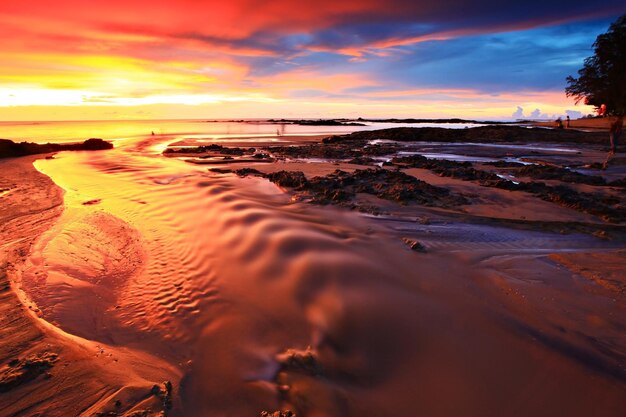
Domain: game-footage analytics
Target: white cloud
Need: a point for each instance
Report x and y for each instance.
(573, 114)
(518, 114)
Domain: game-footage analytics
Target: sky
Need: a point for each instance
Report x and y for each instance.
(153, 59)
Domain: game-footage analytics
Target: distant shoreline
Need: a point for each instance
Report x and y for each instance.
(596, 123)
(11, 149)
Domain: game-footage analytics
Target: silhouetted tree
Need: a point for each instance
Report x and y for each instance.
(602, 79)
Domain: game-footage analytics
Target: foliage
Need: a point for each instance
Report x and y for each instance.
(602, 80)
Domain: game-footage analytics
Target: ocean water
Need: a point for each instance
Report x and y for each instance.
(221, 277)
(73, 131)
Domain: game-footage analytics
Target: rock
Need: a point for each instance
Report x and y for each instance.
(168, 387)
(292, 179)
(9, 149)
(286, 413)
(95, 144)
(545, 172)
(212, 148)
(618, 183)
(480, 134)
(301, 361)
(414, 245)
(221, 170)
(164, 393)
(92, 202)
(243, 172)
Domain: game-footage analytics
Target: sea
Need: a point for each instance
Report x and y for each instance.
(221, 130)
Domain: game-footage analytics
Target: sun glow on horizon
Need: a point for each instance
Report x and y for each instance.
(140, 59)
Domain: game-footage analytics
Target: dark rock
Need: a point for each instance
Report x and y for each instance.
(95, 144)
(414, 245)
(504, 164)
(292, 179)
(221, 170)
(481, 134)
(544, 172)
(361, 160)
(320, 122)
(340, 187)
(243, 172)
(611, 209)
(618, 183)
(10, 149)
(287, 413)
(167, 395)
(92, 202)
(300, 361)
(212, 148)
(459, 170)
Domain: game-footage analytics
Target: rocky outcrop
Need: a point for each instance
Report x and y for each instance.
(10, 149)
(481, 134)
(341, 187)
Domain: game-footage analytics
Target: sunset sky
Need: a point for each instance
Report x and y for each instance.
(118, 59)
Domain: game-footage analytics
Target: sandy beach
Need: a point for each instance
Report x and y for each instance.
(46, 370)
(138, 284)
(596, 123)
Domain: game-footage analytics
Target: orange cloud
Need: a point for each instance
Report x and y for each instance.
(160, 52)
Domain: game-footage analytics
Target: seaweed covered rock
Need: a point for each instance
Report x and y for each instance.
(612, 209)
(544, 172)
(480, 134)
(340, 187)
(453, 169)
(292, 179)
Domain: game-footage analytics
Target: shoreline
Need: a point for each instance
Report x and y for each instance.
(592, 124)
(46, 362)
(479, 269)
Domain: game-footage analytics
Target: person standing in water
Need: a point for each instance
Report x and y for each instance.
(567, 122)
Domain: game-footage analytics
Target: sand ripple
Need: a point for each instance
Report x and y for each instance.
(222, 276)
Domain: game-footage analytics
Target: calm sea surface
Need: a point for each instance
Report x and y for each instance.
(42, 132)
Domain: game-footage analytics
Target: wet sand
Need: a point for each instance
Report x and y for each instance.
(44, 369)
(149, 269)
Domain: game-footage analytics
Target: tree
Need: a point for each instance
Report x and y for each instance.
(602, 79)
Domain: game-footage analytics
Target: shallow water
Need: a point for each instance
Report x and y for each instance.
(199, 130)
(447, 156)
(220, 275)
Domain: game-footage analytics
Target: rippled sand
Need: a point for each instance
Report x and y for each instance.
(260, 304)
